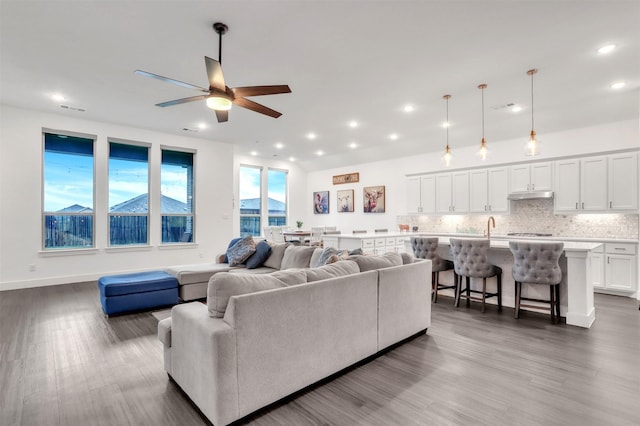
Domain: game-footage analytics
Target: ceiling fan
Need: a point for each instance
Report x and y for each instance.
(220, 97)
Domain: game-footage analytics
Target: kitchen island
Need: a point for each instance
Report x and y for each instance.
(576, 288)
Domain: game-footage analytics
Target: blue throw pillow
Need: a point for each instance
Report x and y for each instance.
(257, 259)
(231, 244)
(241, 251)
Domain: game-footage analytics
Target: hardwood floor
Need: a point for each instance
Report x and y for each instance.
(63, 363)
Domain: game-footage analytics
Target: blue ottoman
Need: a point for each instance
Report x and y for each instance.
(134, 292)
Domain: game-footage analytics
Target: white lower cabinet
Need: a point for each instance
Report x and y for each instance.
(615, 268)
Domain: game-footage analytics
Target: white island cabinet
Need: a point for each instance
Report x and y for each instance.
(370, 243)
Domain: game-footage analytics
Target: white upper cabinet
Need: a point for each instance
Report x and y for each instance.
(567, 185)
(531, 177)
(444, 187)
(597, 184)
(452, 192)
(498, 190)
(478, 191)
(593, 184)
(623, 181)
(488, 190)
(421, 194)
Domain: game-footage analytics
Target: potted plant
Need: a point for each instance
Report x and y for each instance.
(299, 224)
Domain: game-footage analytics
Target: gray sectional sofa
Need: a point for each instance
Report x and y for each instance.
(262, 337)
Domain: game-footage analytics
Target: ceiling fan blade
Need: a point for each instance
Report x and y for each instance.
(214, 72)
(260, 90)
(222, 116)
(182, 101)
(170, 80)
(253, 106)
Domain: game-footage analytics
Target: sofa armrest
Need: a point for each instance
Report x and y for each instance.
(164, 332)
(204, 361)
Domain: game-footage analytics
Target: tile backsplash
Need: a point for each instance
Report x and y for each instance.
(534, 215)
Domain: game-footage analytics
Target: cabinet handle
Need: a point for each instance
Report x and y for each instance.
(528, 185)
(608, 259)
(582, 206)
(485, 207)
(618, 248)
(576, 206)
(533, 186)
(489, 207)
(610, 204)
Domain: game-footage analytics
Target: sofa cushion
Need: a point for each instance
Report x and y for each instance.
(240, 251)
(277, 253)
(297, 257)
(224, 285)
(231, 244)
(164, 331)
(291, 276)
(257, 259)
(191, 274)
(333, 270)
(369, 263)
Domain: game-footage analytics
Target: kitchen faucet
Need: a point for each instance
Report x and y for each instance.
(491, 219)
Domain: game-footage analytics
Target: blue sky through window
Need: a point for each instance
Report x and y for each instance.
(68, 180)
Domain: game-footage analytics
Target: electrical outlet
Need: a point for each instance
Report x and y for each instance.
(32, 267)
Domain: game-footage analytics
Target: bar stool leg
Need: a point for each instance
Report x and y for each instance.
(468, 291)
(499, 278)
(484, 292)
(557, 301)
(518, 293)
(458, 282)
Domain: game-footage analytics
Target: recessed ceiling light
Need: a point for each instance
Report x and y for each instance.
(516, 108)
(408, 108)
(393, 136)
(353, 145)
(606, 49)
(446, 124)
(353, 124)
(292, 159)
(279, 145)
(254, 153)
(202, 125)
(319, 152)
(58, 97)
(618, 85)
(311, 135)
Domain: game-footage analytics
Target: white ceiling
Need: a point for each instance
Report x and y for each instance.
(344, 60)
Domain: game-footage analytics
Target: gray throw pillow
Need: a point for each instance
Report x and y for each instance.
(338, 269)
(297, 257)
(241, 251)
(277, 253)
(223, 285)
(370, 263)
(407, 258)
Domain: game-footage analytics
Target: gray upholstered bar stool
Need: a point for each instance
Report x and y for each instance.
(470, 260)
(426, 248)
(537, 263)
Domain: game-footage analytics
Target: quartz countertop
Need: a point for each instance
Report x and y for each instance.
(552, 238)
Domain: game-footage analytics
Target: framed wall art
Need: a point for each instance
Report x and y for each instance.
(373, 199)
(321, 202)
(345, 201)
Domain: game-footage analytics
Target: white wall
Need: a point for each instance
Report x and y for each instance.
(392, 173)
(21, 203)
(297, 179)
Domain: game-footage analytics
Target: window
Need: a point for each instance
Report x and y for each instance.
(68, 214)
(277, 197)
(128, 194)
(250, 200)
(176, 198)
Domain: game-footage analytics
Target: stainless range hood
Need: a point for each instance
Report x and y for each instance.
(530, 195)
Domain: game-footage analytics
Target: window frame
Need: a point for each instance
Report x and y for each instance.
(44, 213)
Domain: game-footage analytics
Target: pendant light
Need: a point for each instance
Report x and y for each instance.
(532, 145)
(447, 157)
(483, 151)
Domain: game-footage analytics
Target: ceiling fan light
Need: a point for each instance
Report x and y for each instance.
(219, 103)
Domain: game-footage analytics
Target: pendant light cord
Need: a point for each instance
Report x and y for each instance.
(447, 122)
(482, 112)
(532, 101)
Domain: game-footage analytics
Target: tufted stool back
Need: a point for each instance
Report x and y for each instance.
(470, 258)
(426, 248)
(536, 262)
